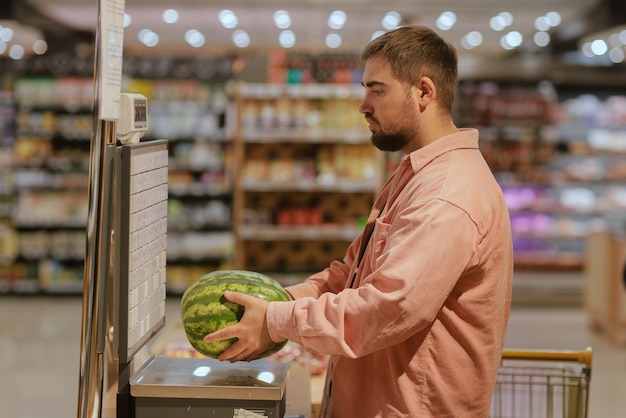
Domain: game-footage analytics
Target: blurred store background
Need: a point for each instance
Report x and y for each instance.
(270, 165)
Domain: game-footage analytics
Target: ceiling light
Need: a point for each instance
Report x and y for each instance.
(148, 37)
(376, 34)
(194, 38)
(511, 40)
(40, 47)
(541, 39)
(506, 18)
(170, 16)
(614, 40)
(241, 38)
(586, 50)
(6, 33)
(497, 23)
(333, 40)
(472, 40)
(282, 20)
(446, 20)
(504, 43)
(16, 52)
(541, 24)
(616, 55)
(391, 20)
(15, 34)
(337, 19)
(127, 20)
(599, 47)
(287, 38)
(553, 18)
(228, 19)
(514, 38)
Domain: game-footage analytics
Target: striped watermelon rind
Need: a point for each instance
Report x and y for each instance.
(204, 309)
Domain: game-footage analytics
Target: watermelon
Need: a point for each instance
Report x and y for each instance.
(204, 309)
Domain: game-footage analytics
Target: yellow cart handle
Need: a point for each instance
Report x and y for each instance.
(583, 356)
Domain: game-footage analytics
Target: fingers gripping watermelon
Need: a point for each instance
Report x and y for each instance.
(204, 309)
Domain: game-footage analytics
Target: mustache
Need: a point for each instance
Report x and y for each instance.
(369, 117)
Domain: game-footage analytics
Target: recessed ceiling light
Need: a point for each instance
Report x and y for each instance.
(616, 55)
(16, 52)
(541, 39)
(391, 20)
(282, 19)
(194, 38)
(148, 37)
(506, 18)
(472, 40)
(541, 23)
(599, 47)
(337, 19)
(497, 23)
(6, 33)
(511, 40)
(287, 38)
(553, 18)
(514, 38)
(446, 20)
(241, 38)
(127, 20)
(586, 50)
(614, 40)
(333, 40)
(376, 34)
(170, 16)
(228, 19)
(40, 47)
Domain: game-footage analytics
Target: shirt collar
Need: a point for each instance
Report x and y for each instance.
(464, 138)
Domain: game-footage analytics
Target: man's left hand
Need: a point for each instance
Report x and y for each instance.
(253, 338)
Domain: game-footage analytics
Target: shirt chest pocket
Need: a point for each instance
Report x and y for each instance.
(376, 245)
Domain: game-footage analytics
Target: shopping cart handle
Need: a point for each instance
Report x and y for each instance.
(583, 356)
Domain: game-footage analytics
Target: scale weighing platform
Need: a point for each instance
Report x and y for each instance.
(200, 388)
(166, 387)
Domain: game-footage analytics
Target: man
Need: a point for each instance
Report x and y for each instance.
(414, 317)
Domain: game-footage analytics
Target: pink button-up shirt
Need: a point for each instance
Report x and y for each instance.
(421, 331)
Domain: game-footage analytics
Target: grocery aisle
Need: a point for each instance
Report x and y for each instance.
(40, 343)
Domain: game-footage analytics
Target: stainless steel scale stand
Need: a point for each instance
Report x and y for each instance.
(168, 387)
(124, 283)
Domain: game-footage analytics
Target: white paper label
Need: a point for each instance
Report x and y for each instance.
(111, 44)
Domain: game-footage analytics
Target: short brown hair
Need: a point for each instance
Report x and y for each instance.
(415, 52)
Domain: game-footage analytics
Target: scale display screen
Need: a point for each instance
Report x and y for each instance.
(141, 243)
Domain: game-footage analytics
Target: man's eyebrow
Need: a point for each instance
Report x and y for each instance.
(372, 83)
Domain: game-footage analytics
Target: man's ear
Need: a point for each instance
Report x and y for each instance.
(428, 92)
(425, 92)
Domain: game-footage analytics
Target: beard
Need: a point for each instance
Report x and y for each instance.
(398, 133)
(392, 141)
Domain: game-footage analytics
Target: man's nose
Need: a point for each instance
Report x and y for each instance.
(364, 107)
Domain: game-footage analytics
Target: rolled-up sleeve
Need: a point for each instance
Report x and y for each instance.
(407, 273)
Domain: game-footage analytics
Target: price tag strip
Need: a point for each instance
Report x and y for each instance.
(141, 243)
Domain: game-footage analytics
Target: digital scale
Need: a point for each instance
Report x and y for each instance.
(125, 282)
(135, 301)
(163, 387)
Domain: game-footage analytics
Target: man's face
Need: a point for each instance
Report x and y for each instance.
(388, 107)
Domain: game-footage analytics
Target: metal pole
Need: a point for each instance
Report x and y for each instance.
(96, 267)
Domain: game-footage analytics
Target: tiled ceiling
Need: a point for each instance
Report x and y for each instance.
(310, 17)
